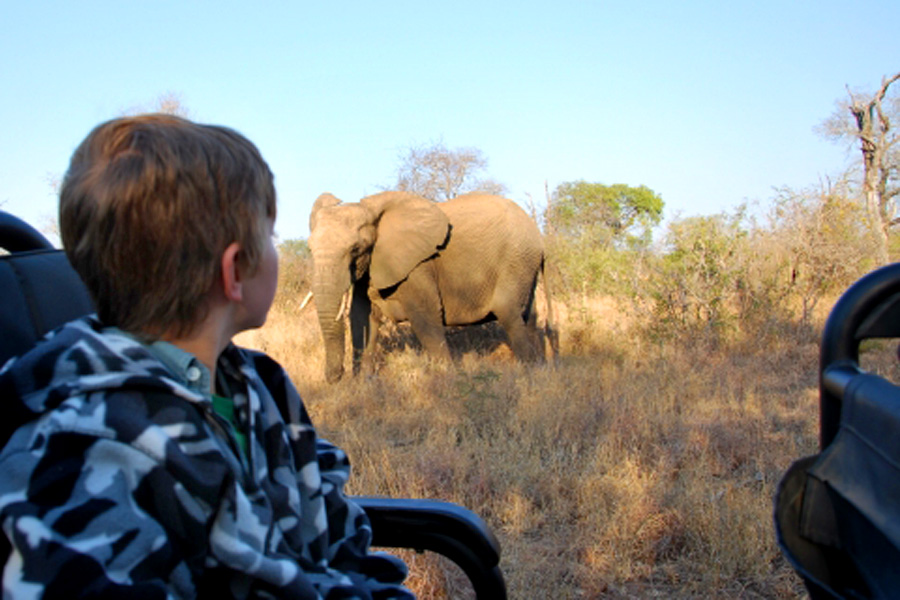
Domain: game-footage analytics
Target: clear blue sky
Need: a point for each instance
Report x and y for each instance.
(707, 103)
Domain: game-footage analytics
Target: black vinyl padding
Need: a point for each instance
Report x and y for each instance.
(40, 292)
(18, 236)
(837, 513)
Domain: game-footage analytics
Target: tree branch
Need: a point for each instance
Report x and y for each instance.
(885, 83)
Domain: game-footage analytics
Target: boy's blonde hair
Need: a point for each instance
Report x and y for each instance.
(148, 206)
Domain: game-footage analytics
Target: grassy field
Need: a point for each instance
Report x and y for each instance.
(625, 470)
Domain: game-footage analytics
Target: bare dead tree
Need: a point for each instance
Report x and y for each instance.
(439, 173)
(873, 129)
(169, 103)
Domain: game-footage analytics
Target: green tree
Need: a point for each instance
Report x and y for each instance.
(695, 282)
(606, 215)
(296, 248)
(440, 173)
(821, 234)
(727, 277)
(597, 234)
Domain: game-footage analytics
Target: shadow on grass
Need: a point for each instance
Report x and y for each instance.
(483, 339)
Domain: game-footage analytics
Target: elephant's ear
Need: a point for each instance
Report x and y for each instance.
(410, 230)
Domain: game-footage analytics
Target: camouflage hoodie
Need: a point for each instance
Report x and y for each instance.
(124, 483)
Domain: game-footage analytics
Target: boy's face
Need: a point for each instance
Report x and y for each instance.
(259, 289)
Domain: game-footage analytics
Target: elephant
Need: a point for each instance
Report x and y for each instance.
(471, 259)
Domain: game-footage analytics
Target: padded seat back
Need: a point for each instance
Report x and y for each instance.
(39, 288)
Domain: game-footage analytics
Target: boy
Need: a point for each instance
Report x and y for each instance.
(158, 460)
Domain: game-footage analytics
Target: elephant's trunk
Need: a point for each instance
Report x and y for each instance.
(329, 285)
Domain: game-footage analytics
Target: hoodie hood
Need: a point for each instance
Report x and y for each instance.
(78, 359)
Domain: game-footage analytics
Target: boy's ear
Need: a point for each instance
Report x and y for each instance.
(231, 277)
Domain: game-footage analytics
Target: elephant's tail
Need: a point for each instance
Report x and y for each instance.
(550, 332)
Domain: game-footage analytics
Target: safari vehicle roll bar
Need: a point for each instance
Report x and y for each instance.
(837, 513)
(869, 309)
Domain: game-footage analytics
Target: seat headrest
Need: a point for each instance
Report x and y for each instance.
(39, 288)
(18, 236)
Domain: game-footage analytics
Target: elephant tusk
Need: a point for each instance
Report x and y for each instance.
(340, 312)
(345, 304)
(306, 300)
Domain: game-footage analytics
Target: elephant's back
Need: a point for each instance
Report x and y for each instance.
(493, 255)
(477, 216)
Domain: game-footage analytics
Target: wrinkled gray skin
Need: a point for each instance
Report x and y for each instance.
(464, 261)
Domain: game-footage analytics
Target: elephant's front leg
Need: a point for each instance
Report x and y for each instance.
(369, 362)
(363, 327)
(422, 306)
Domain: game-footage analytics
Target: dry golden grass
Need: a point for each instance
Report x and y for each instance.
(626, 470)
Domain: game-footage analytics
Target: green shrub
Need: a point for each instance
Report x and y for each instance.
(294, 274)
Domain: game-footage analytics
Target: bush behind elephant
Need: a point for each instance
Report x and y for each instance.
(469, 260)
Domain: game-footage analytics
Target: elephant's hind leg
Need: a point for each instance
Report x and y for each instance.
(431, 335)
(522, 336)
